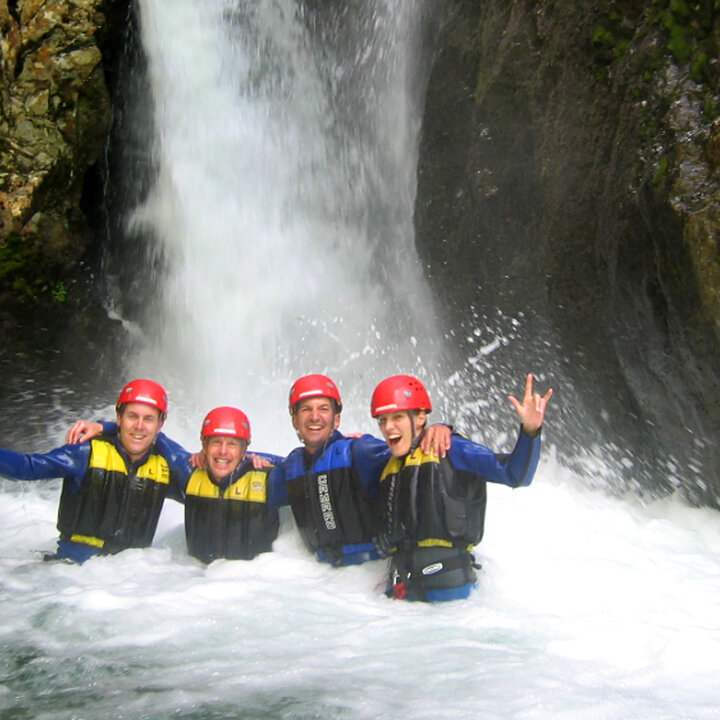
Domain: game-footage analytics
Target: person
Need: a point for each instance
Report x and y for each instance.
(431, 509)
(227, 514)
(229, 510)
(331, 481)
(113, 487)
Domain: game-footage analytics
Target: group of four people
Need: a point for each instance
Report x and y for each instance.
(418, 496)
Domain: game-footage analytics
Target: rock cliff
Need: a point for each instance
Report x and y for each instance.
(57, 60)
(572, 147)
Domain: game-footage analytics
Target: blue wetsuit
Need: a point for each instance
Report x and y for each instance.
(332, 494)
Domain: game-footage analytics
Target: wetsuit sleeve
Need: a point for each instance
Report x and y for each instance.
(277, 490)
(178, 459)
(370, 455)
(274, 459)
(514, 470)
(68, 461)
(110, 427)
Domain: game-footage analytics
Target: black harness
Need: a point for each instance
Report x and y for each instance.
(415, 571)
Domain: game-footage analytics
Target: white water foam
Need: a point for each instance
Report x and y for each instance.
(587, 607)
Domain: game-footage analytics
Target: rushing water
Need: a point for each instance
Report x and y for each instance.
(587, 607)
(277, 223)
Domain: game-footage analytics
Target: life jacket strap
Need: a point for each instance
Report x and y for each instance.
(87, 540)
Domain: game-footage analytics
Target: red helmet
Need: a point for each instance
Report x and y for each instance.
(144, 391)
(226, 421)
(399, 392)
(310, 386)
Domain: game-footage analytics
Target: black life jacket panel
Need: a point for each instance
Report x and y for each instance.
(332, 508)
(114, 509)
(425, 501)
(235, 523)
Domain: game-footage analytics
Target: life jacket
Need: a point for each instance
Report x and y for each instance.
(114, 508)
(333, 511)
(431, 515)
(234, 523)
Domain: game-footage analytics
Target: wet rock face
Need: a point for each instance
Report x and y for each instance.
(572, 149)
(54, 115)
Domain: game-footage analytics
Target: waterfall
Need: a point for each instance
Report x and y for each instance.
(278, 224)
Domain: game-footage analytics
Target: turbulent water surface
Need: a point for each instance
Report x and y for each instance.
(587, 607)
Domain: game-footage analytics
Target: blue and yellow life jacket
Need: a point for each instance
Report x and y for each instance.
(114, 508)
(432, 514)
(234, 523)
(332, 509)
(427, 502)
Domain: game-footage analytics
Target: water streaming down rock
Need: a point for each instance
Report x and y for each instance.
(279, 221)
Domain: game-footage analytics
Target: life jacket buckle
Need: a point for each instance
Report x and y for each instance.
(399, 591)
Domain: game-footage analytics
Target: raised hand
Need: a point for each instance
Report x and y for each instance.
(531, 410)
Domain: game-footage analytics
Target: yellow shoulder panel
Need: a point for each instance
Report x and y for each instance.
(155, 469)
(417, 457)
(393, 466)
(105, 456)
(200, 485)
(251, 487)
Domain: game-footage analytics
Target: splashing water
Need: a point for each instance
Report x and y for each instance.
(280, 220)
(587, 607)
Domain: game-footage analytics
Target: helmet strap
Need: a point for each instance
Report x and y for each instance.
(415, 435)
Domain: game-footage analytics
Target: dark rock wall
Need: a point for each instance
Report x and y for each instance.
(58, 65)
(570, 149)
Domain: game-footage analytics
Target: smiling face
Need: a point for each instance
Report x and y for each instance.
(138, 426)
(399, 429)
(314, 420)
(223, 454)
